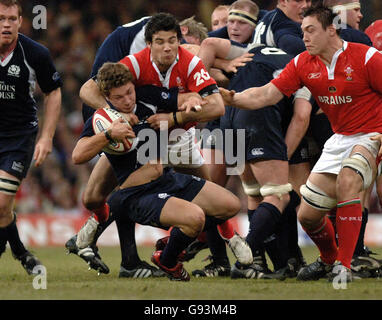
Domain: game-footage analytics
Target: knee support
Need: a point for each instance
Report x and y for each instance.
(316, 198)
(9, 186)
(251, 189)
(275, 189)
(360, 165)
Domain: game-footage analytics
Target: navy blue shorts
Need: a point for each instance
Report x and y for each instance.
(264, 139)
(143, 204)
(16, 154)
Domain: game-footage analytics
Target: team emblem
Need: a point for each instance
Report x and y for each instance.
(14, 71)
(349, 73)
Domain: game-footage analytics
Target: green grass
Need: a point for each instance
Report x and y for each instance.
(69, 279)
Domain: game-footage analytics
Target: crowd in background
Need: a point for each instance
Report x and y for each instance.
(75, 29)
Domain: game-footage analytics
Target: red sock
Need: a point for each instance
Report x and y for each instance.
(325, 239)
(226, 230)
(102, 214)
(348, 221)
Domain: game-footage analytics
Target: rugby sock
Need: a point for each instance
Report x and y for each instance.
(13, 237)
(348, 221)
(102, 214)
(3, 240)
(291, 217)
(217, 246)
(126, 233)
(360, 246)
(276, 254)
(226, 230)
(177, 242)
(324, 239)
(262, 224)
(250, 213)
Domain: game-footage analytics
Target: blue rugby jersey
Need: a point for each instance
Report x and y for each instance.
(29, 64)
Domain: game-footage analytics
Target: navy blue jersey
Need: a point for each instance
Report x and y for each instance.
(123, 165)
(123, 41)
(265, 65)
(277, 30)
(30, 62)
(352, 35)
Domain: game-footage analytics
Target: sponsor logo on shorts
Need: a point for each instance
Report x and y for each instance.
(163, 195)
(17, 166)
(196, 178)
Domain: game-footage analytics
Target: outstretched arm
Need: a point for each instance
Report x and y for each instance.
(252, 98)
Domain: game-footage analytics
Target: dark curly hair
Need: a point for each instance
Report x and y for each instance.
(162, 22)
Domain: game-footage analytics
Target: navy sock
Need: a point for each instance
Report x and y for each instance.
(360, 246)
(126, 233)
(13, 237)
(217, 246)
(177, 242)
(211, 222)
(291, 218)
(263, 224)
(250, 213)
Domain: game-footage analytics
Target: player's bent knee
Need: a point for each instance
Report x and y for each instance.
(361, 166)
(316, 198)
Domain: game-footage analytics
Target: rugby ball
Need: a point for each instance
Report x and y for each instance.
(102, 120)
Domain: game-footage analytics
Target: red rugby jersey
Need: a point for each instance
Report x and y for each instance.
(188, 72)
(349, 91)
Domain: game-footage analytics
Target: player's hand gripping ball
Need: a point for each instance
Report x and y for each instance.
(102, 120)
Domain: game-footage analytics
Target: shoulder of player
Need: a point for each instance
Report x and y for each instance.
(360, 51)
(186, 57)
(357, 36)
(31, 46)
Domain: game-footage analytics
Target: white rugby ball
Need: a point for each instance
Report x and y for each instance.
(102, 120)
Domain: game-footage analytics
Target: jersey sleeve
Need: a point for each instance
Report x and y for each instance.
(87, 130)
(199, 78)
(47, 76)
(291, 44)
(288, 82)
(128, 62)
(373, 62)
(161, 97)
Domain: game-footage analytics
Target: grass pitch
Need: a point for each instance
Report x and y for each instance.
(69, 279)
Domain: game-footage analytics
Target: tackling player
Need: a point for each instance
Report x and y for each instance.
(148, 193)
(340, 77)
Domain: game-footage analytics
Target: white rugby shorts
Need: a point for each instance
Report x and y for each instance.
(339, 147)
